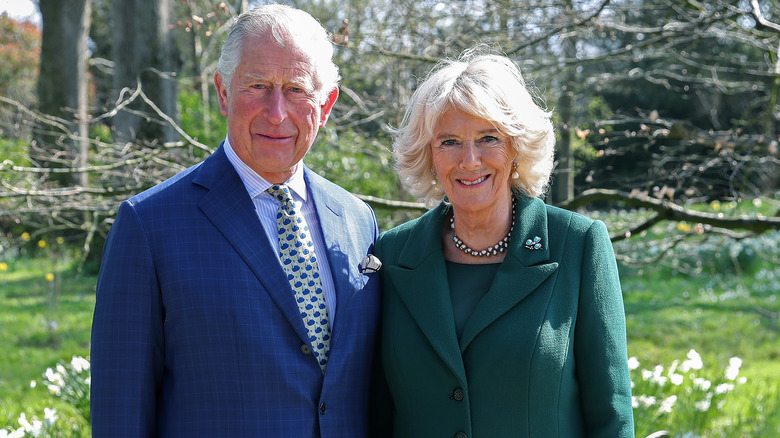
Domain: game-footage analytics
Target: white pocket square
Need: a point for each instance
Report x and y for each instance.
(370, 264)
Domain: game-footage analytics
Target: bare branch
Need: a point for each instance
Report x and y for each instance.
(391, 204)
(673, 212)
(760, 17)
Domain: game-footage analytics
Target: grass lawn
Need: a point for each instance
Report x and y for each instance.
(42, 323)
(717, 296)
(714, 295)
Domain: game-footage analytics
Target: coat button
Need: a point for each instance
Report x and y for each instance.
(461, 434)
(457, 394)
(305, 349)
(323, 408)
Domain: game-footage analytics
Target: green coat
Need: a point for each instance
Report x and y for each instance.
(542, 355)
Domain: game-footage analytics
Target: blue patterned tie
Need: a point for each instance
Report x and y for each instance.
(296, 251)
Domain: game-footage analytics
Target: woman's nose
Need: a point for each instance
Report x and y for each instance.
(471, 156)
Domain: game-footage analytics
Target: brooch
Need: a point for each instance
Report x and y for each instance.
(535, 243)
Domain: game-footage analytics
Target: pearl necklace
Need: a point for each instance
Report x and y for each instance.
(491, 250)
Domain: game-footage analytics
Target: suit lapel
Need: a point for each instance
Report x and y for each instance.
(421, 268)
(228, 206)
(522, 271)
(339, 245)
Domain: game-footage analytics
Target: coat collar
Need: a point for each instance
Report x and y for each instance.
(421, 278)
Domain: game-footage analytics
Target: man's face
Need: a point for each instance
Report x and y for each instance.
(273, 107)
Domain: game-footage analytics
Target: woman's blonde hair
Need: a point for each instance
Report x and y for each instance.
(490, 87)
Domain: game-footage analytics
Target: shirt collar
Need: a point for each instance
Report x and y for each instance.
(256, 184)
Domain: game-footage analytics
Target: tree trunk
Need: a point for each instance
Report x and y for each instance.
(62, 88)
(145, 56)
(563, 178)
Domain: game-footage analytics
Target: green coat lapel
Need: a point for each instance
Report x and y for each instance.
(421, 268)
(522, 271)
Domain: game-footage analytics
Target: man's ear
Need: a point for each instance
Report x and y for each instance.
(222, 93)
(328, 106)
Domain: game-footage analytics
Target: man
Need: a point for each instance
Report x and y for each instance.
(198, 329)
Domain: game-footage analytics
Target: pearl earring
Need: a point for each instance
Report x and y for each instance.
(434, 181)
(515, 175)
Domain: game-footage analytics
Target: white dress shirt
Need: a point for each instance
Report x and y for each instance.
(266, 207)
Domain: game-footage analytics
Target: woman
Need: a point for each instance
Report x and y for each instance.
(503, 317)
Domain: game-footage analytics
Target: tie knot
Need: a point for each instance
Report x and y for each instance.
(282, 193)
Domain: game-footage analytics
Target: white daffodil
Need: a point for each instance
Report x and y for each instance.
(79, 364)
(732, 371)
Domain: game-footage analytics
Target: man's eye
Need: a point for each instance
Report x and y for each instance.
(259, 86)
(297, 90)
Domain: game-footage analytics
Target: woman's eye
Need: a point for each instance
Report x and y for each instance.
(489, 139)
(449, 142)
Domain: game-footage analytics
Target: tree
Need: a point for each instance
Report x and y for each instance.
(144, 58)
(62, 87)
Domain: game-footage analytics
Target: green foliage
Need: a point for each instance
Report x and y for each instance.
(101, 132)
(14, 150)
(205, 124)
(360, 165)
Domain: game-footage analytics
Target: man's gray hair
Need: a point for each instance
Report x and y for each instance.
(282, 23)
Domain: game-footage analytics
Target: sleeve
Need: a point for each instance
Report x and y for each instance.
(127, 334)
(601, 327)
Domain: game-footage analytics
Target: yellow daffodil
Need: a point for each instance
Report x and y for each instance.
(26, 236)
(49, 277)
(715, 205)
(41, 244)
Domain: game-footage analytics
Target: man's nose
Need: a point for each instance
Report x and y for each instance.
(276, 109)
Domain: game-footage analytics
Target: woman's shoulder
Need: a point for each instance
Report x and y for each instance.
(574, 223)
(397, 237)
(407, 228)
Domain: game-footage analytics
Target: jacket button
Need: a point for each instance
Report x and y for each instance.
(457, 394)
(323, 408)
(305, 349)
(461, 434)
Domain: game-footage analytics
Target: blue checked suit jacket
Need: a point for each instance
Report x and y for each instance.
(196, 332)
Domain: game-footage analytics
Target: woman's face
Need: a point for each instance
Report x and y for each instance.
(473, 161)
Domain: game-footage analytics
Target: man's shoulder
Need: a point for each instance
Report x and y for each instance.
(342, 195)
(171, 187)
(204, 173)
